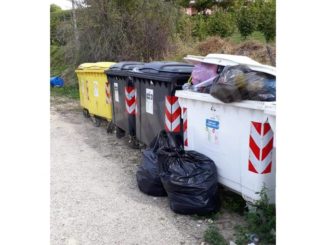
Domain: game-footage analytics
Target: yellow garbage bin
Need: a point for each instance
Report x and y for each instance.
(94, 89)
(83, 79)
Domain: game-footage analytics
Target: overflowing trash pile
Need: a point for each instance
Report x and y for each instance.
(237, 83)
(232, 78)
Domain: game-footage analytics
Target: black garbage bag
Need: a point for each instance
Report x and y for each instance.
(147, 175)
(260, 87)
(190, 180)
(237, 83)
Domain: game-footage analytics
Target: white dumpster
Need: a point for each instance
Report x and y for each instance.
(238, 137)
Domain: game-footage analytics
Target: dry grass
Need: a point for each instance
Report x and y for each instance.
(214, 45)
(253, 49)
(256, 51)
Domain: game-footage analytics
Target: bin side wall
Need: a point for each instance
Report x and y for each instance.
(98, 104)
(121, 117)
(222, 132)
(150, 117)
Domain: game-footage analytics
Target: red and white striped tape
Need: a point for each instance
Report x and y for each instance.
(130, 100)
(172, 114)
(261, 148)
(185, 126)
(107, 93)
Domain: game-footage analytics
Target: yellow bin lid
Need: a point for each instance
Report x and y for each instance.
(94, 67)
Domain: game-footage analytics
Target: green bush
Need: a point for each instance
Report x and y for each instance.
(266, 11)
(57, 17)
(70, 91)
(246, 20)
(213, 237)
(261, 222)
(222, 24)
(185, 27)
(57, 61)
(200, 30)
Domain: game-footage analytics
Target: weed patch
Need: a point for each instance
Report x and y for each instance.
(260, 224)
(213, 237)
(70, 91)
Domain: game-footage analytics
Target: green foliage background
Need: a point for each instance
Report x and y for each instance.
(146, 30)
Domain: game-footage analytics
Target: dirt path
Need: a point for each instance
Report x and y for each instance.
(94, 195)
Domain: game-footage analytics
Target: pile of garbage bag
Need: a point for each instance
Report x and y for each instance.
(239, 82)
(147, 175)
(189, 178)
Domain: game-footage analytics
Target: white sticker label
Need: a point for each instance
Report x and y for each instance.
(95, 88)
(116, 92)
(212, 128)
(149, 100)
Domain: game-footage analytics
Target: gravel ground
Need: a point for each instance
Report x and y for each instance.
(94, 194)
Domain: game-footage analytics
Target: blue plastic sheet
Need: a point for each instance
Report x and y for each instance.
(56, 81)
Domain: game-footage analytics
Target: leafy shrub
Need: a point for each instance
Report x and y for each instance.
(57, 61)
(212, 236)
(200, 30)
(185, 27)
(246, 20)
(267, 19)
(70, 91)
(222, 24)
(261, 222)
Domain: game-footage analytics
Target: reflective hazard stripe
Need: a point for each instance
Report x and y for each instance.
(172, 114)
(130, 100)
(107, 93)
(260, 148)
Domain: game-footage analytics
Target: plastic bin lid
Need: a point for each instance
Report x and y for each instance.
(102, 65)
(166, 67)
(125, 65)
(85, 65)
(98, 67)
(229, 60)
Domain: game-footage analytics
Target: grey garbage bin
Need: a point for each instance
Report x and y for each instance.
(157, 107)
(123, 99)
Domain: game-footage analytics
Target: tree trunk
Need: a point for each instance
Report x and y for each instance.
(76, 34)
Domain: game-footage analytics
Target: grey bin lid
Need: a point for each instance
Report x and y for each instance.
(125, 65)
(164, 71)
(166, 67)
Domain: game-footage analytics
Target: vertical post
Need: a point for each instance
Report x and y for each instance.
(74, 20)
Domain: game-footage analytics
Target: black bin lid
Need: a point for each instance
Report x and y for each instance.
(166, 67)
(166, 71)
(123, 66)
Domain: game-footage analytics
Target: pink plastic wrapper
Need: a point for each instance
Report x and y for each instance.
(203, 72)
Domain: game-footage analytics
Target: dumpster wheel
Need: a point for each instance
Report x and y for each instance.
(86, 113)
(119, 133)
(96, 121)
(110, 127)
(133, 143)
